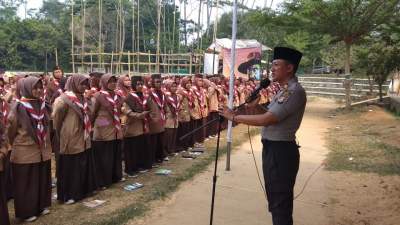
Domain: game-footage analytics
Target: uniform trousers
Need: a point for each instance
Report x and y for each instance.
(280, 167)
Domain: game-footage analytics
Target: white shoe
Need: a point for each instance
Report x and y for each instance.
(143, 171)
(166, 159)
(70, 202)
(122, 179)
(45, 212)
(31, 219)
(132, 176)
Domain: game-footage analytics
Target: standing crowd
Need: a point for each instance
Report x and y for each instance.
(100, 128)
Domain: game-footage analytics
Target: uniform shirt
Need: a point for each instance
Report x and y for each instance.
(288, 106)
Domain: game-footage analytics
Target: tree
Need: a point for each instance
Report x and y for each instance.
(345, 20)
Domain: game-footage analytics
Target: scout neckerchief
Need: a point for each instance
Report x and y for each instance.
(39, 117)
(189, 96)
(85, 111)
(58, 86)
(113, 102)
(5, 111)
(220, 91)
(199, 92)
(160, 103)
(175, 103)
(142, 102)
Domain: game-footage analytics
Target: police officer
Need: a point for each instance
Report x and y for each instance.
(280, 122)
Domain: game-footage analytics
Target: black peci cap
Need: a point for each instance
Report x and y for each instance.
(291, 55)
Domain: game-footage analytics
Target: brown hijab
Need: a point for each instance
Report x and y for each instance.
(132, 102)
(25, 119)
(121, 86)
(72, 85)
(101, 99)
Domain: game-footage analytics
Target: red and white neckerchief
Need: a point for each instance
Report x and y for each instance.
(143, 102)
(189, 96)
(85, 110)
(113, 102)
(39, 117)
(5, 111)
(121, 93)
(200, 96)
(58, 86)
(175, 103)
(145, 90)
(160, 103)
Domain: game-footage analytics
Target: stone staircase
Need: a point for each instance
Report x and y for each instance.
(330, 85)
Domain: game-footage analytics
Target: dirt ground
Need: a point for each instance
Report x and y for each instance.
(359, 198)
(329, 198)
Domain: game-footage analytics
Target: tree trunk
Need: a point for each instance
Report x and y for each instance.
(348, 58)
(371, 85)
(380, 92)
(348, 75)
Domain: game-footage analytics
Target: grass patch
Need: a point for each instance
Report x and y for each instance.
(364, 142)
(166, 186)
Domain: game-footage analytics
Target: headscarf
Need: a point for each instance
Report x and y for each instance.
(101, 98)
(25, 118)
(72, 86)
(122, 90)
(104, 81)
(77, 102)
(133, 102)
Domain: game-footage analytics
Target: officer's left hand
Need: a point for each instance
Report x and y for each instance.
(226, 112)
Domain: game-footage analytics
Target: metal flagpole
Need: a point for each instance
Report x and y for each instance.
(231, 83)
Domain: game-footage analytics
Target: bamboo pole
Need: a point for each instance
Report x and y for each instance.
(100, 30)
(129, 63)
(173, 27)
(149, 63)
(91, 63)
(216, 23)
(158, 35)
(190, 64)
(133, 31)
(138, 61)
(112, 61)
(83, 5)
(138, 37)
(72, 37)
(199, 26)
(56, 56)
(185, 15)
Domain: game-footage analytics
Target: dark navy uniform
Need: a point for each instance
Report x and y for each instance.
(280, 151)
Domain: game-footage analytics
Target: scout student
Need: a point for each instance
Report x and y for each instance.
(107, 133)
(200, 110)
(28, 129)
(137, 154)
(71, 117)
(185, 122)
(172, 113)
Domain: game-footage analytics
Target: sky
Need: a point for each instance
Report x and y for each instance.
(192, 7)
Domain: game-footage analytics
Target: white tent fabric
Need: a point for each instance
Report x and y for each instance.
(227, 43)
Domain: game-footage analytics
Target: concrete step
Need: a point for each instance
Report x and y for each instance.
(336, 80)
(340, 90)
(339, 84)
(355, 97)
